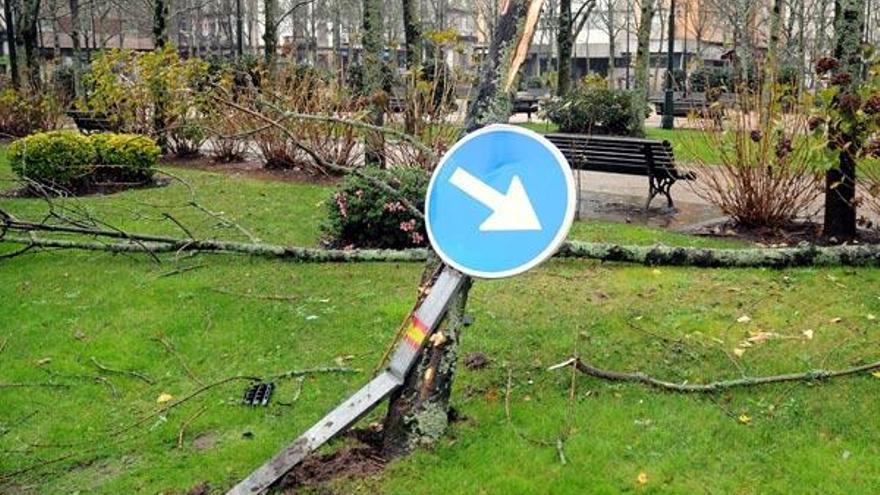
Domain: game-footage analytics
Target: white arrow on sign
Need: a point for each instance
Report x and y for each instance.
(510, 211)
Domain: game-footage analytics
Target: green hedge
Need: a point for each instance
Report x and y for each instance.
(363, 215)
(126, 157)
(69, 159)
(57, 158)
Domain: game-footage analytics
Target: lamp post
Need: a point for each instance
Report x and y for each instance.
(667, 120)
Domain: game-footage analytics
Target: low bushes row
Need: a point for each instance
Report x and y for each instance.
(67, 159)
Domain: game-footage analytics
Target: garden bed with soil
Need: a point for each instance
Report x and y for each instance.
(252, 169)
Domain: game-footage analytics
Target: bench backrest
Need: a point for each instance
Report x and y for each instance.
(620, 155)
(91, 121)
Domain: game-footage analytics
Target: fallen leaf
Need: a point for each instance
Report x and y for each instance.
(642, 478)
(492, 395)
(871, 317)
(45, 360)
(876, 374)
(163, 398)
(835, 320)
(739, 351)
(744, 418)
(743, 319)
(808, 334)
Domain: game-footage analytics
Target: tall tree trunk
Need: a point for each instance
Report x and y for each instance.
(160, 22)
(337, 38)
(643, 55)
(373, 65)
(564, 44)
(412, 32)
(418, 412)
(270, 34)
(77, 50)
(9, 15)
(239, 29)
(28, 38)
(611, 45)
(840, 182)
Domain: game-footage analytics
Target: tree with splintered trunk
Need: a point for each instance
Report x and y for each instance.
(418, 412)
(845, 136)
(373, 43)
(9, 16)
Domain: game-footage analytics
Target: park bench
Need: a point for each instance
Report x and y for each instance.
(89, 122)
(623, 155)
(525, 103)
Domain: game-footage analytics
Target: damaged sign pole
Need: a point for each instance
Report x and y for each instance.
(423, 322)
(500, 202)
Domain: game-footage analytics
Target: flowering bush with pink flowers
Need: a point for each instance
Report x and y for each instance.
(360, 214)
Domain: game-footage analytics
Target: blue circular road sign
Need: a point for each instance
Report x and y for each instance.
(500, 202)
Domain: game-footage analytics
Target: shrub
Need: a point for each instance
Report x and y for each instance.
(23, 113)
(67, 159)
(363, 215)
(153, 93)
(597, 111)
(186, 139)
(766, 176)
(302, 92)
(706, 78)
(125, 157)
(56, 159)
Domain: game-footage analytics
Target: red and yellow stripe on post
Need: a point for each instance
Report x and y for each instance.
(416, 333)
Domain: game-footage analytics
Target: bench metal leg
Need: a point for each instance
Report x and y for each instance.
(660, 186)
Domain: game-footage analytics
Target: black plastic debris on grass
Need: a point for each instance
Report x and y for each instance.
(259, 394)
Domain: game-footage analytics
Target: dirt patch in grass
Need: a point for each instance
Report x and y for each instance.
(359, 458)
(205, 441)
(252, 169)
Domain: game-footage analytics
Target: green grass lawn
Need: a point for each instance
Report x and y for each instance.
(59, 310)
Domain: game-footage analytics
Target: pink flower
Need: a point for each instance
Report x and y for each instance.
(393, 207)
(408, 226)
(417, 238)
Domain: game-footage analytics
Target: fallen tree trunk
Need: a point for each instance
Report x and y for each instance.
(862, 255)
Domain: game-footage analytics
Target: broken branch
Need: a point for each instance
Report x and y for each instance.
(711, 387)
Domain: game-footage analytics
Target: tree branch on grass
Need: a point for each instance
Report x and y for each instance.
(710, 387)
(140, 376)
